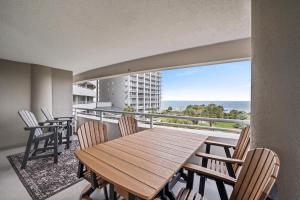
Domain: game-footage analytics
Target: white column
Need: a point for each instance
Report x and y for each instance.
(129, 90)
(97, 91)
(275, 101)
(41, 90)
(144, 92)
(150, 92)
(137, 93)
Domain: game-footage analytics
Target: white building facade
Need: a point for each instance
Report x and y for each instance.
(142, 91)
(84, 93)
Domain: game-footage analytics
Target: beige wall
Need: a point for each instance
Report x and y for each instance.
(62, 92)
(27, 86)
(15, 87)
(275, 110)
(41, 90)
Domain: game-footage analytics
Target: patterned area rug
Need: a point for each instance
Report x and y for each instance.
(42, 178)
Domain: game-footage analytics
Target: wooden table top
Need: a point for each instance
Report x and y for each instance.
(142, 163)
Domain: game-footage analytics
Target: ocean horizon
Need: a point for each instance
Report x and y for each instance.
(228, 105)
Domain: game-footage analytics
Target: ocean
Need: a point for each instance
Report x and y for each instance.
(228, 105)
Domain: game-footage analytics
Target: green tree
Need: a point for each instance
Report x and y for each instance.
(153, 110)
(236, 114)
(194, 110)
(213, 111)
(128, 109)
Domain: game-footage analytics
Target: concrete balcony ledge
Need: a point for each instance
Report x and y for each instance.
(83, 91)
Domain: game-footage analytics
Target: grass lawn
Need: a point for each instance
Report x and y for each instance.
(201, 123)
(224, 125)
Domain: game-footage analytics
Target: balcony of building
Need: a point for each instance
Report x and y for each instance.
(83, 91)
(46, 46)
(133, 81)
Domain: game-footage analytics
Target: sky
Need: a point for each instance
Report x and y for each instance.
(219, 82)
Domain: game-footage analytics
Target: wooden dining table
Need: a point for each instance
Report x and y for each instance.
(141, 164)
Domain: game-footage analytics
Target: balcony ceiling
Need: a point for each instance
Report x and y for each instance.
(82, 35)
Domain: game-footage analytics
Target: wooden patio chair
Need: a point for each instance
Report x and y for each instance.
(36, 136)
(225, 165)
(128, 125)
(89, 134)
(255, 181)
(66, 123)
(243, 140)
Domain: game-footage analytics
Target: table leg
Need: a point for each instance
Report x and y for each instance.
(68, 135)
(112, 193)
(190, 180)
(169, 193)
(161, 195)
(80, 170)
(131, 196)
(175, 179)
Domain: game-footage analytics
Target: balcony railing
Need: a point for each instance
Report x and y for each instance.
(153, 119)
(83, 102)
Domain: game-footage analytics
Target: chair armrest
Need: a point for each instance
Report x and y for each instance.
(220, 144)
(220, 158)
(47, 126)
(66, 118)
(42, 123)
(202, 171)
(56, 121)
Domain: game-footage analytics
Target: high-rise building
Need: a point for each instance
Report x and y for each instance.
(142, 91)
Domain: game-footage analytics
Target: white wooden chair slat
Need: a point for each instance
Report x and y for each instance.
(30, 120)
(47, 114)
(35, 137)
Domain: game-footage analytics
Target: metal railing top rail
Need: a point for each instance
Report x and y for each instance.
(151, 115)
(82, 102)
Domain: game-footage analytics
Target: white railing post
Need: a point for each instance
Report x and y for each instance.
(151, 121)
(75, 116)
(211, 125)
(101, 116)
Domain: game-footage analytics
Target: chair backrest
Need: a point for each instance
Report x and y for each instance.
(243, 144)
(91, 133)
(242, 147)
(128, 125)
(47, 114)
(30, 121)
(258, 175)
